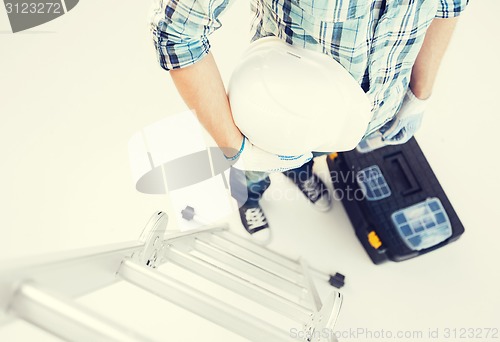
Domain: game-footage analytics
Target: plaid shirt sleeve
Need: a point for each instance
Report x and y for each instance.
(181, 28)
(451, 8)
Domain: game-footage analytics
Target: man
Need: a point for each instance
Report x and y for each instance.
(393, 48)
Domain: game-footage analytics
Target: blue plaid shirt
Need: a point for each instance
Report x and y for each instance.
(377, 41)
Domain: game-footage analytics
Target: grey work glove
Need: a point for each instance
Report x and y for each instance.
(406, 122)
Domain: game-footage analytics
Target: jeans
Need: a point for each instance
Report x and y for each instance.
(247, 187)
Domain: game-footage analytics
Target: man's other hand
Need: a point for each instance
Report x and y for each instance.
(406, 122)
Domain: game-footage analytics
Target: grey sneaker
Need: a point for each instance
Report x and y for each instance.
(316, 192)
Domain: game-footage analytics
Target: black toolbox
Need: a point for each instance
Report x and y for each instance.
(394, 201)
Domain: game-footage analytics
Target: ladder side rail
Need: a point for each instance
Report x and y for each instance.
(212, 309)
(71, 274)
(74, 273)
(67, 319)
(325, 320)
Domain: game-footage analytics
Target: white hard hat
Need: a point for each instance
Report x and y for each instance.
(289, 101)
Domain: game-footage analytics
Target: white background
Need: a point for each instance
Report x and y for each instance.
(73, 91)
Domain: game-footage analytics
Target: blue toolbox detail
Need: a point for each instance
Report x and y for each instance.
(373, 184)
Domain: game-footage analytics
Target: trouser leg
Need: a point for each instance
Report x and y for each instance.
(301, 173)
(248, 186)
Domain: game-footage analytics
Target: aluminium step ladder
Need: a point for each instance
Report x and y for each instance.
(41, 291)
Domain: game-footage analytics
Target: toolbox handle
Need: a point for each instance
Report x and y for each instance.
(402, 171)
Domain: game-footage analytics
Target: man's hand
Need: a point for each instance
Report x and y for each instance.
(406, 122)
(423, 75)
(409, 118)
(253, 158)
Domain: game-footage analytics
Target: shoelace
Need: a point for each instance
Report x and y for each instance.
(311, 188)
(255, 218)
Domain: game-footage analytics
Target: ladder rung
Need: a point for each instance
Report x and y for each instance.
(200, 303)
(253, 270)
(268, 254)
(67, 319)
(255, 258)
(239, 285)
(264, 252)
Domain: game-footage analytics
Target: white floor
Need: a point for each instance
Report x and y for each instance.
(73, 92)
